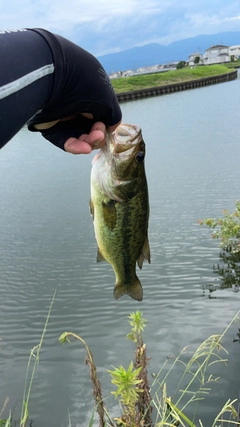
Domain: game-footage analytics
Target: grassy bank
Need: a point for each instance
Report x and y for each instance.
(127, 84)
(234, 64)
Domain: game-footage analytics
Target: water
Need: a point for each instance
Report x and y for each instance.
(47, 244)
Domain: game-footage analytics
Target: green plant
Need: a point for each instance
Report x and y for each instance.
(134, 393)
(97, 390)
(8, 421)
(227, 228)
(138, 413)
(34, 354)
(144, 403)
(133, 390)
(196, 60)
(172, 410)
(136, 401)
(138, 324)
(181, 64)
(126, 382)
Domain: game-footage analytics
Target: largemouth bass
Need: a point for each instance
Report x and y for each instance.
(119, 207)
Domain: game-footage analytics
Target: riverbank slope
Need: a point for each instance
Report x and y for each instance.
(136, 87)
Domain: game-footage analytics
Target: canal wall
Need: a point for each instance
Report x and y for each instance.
(176, 87)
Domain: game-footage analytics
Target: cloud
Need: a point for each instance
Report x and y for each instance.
(105, 26)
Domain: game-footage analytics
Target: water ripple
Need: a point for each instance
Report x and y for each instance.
(47, 244)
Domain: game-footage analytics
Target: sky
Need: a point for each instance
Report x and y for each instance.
(107, 26)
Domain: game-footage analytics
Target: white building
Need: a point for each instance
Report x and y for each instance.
(192, 57)
(216, 55)
(234, 51)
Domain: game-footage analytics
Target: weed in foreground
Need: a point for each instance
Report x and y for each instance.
(30, 373)
(134, 393)
(133, 389)
(97, 391)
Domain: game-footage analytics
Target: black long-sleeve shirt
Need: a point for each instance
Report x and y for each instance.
(44, 77)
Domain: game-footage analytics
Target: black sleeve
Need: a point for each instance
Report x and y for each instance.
(81, 85)
(26, 79)
(44, 77)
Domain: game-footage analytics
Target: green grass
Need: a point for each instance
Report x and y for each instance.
(234, 64)
(127, 84)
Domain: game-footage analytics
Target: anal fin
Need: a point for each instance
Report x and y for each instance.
(145, 254)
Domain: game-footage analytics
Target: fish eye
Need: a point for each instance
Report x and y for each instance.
(140, 157)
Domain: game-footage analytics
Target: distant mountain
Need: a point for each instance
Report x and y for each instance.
(154, 53)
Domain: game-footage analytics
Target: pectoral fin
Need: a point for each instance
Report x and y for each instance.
(145, 254)
(127, 190)
(109, 213)
(100, 257)
(91, 205)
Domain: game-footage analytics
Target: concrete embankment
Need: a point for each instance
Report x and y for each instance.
(176, 87)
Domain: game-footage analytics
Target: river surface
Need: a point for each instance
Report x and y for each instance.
(48, 244)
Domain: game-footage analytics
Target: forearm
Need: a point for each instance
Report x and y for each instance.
(81, 86)
(45, 78)
(26, 79)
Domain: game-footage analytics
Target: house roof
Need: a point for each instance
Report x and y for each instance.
(217, 46)
(195, 53)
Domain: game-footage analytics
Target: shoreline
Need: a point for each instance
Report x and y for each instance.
(176, 87)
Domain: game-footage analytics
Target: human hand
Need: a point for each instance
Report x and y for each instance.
(82, 104)
(88, 142)
(57, 131)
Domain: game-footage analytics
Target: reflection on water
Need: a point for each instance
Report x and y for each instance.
(47, 244)
(238, 336)
(228, 270)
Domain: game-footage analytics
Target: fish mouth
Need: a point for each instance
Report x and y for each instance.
(121, 144)
(126, 136)
(127, 133)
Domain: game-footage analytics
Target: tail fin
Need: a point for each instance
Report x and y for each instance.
(134, 291)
